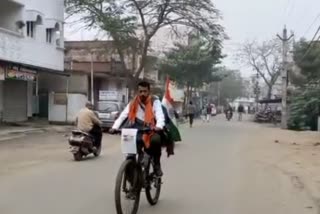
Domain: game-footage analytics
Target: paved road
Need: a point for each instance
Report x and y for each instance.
(211, 173)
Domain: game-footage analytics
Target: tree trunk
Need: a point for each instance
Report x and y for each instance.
(269, 94)
(143, 60)
(131, 79)
(187, 98)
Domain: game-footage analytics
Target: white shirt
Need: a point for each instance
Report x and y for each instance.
(157, 111)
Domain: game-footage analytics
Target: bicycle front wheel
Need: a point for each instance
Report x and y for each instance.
(128, 188)
(153, 188)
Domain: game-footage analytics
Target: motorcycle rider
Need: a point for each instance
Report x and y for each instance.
(145, 110)
(229, 109)
(87, 121)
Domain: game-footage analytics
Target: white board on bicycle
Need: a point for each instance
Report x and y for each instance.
(129, 141)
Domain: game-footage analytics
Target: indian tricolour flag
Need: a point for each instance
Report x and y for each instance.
(167, 103)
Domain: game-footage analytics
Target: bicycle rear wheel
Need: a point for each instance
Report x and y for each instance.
(128, 188)
(153, 188)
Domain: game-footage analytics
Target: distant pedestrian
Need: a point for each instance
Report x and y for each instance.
(209, 111)
(213, 110)
(240, 111)
(191, 111)
(204, 114)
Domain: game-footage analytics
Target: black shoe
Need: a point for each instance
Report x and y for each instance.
(94, 149)
(158, 170)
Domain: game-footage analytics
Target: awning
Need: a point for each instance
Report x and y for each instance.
(265, 101)
(34, 16)
(30, 68)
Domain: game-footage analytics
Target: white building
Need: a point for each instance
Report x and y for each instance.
(31, 42)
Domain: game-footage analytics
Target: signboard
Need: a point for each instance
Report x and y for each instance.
(129, 141)
(2, 73)
(60, 99)
(20, 73)
(108, 95)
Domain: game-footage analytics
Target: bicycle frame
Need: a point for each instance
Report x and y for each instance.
(143, 162)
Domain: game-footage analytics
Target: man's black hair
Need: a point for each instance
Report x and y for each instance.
(144, 84)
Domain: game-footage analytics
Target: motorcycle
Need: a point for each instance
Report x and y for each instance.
(268, 117)
(229, 115)
(82, 145)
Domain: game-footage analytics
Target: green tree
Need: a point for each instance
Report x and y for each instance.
(304, 108)
(192, 65)
(306, 57)
(305, 99)
(230, 87)
(133, 23)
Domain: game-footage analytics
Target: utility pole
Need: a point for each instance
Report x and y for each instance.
(284, 74)
(219, 94)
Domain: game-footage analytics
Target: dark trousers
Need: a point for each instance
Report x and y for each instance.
(191, 117)
(155, 147)
(96, 132)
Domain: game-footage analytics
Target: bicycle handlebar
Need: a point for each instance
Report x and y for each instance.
(143, 130)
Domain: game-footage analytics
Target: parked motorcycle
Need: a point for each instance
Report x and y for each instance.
(268, 117)
(82, 145)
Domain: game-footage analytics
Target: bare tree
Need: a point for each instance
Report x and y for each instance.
(265, 59)
(123, 19)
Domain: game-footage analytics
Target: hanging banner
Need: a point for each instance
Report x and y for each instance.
(108, 95)
(20, 73)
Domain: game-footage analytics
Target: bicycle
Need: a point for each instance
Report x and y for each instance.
(134, 175)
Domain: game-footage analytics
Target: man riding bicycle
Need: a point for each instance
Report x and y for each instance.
(145, 110)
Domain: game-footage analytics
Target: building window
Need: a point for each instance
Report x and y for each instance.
(30, 29)
(49, 33)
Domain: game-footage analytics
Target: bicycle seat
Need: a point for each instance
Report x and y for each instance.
(78, 132)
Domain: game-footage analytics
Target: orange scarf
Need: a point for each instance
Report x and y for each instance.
(149, 118)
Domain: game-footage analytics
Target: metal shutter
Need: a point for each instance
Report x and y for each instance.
(15, 101)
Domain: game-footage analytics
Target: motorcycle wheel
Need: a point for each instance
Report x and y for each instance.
(77, 156)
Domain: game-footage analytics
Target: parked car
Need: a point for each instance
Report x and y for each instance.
(108, 112)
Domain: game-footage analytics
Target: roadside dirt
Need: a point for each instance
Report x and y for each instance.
(294, 154)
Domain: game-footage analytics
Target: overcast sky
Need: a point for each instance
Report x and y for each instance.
(248, 19)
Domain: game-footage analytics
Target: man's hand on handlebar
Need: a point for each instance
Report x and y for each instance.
(156, 129)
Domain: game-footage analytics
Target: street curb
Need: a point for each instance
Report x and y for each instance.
(11, 135)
